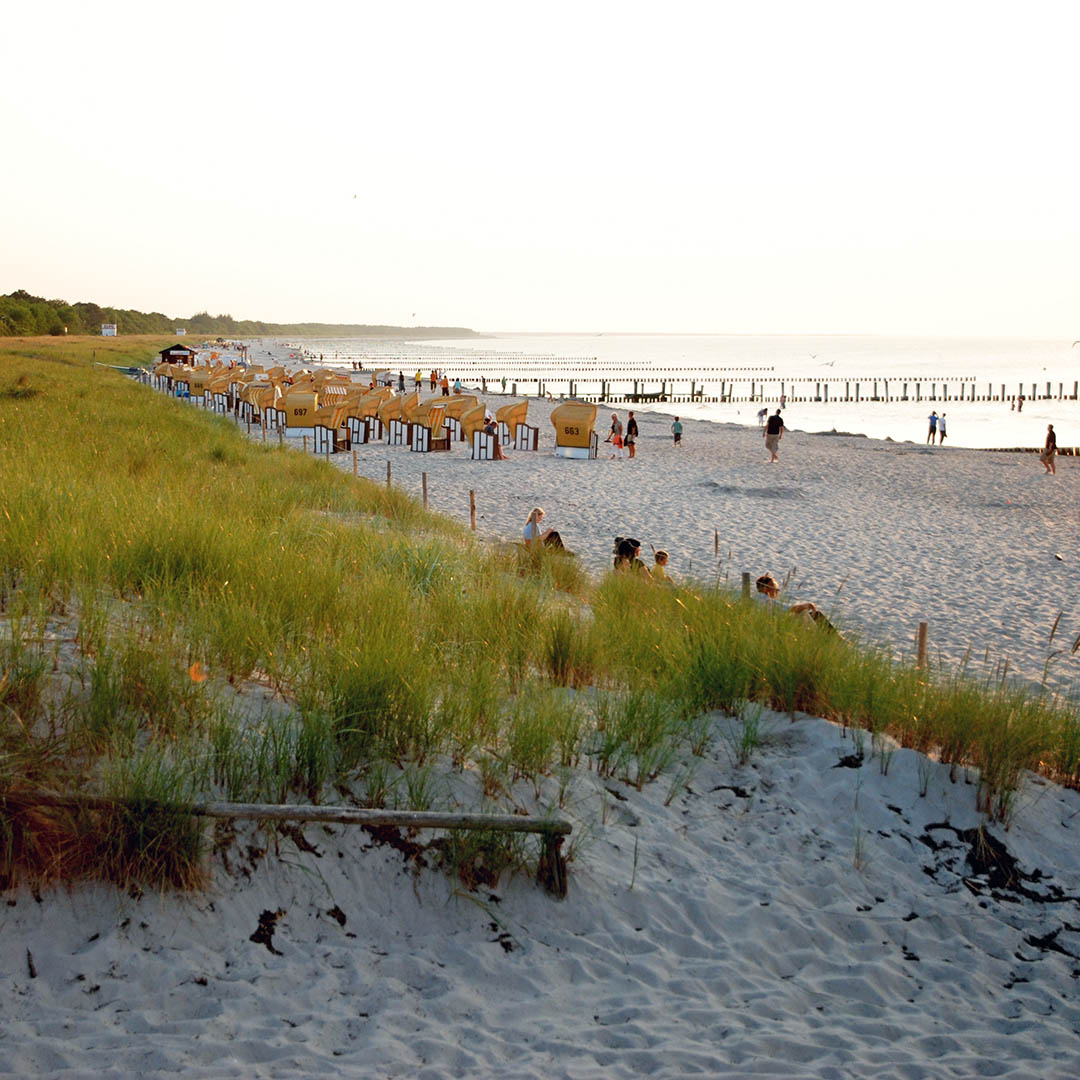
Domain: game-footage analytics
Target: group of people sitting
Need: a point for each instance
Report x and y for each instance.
(627, 558)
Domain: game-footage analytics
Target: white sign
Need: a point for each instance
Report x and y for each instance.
(108, 329)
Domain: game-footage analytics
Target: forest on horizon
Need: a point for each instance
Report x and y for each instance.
(24, 315)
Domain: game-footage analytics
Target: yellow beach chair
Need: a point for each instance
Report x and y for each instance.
(574, 435)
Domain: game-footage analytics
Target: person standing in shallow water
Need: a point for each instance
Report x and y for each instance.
(773, 433)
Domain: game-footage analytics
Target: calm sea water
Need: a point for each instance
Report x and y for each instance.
(800, 367)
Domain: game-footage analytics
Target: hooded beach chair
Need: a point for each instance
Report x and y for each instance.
(574, 435)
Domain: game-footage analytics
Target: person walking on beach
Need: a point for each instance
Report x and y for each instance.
(401, 382)
(504, 384)
(445, 386)
(932, 433)
(631, 434)
(941, 430)
(434, 378)
(615, 436)
(1049, 450)
(762, 413)
(676, 431)
(418, 380)
(773, 433)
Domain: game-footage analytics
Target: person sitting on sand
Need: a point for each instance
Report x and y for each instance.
(659, 570)
(768, 592)
(1049, 450)
(627, 552)
(493, 431)
(533, 530)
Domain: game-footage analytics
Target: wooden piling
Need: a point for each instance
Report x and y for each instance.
(423, 487)
(472, 509)
(920, 646)
(746, 584)
(716, 543)
(354, 463)
(305, 444)
(388, 474)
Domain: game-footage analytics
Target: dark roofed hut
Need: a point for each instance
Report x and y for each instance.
(177, 354)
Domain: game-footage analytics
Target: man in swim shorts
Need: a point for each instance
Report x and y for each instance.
(774, 432)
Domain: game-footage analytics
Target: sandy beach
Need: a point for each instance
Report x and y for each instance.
(881, 534)
(820, 910)
(792, 917)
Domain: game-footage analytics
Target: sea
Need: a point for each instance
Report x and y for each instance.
(880, 387)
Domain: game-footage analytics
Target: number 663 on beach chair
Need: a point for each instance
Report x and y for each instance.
(574, 436)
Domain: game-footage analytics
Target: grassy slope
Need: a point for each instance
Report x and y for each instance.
(153, 562)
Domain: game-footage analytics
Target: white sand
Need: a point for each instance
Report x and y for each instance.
(731, 933)
(789, 917)
(882, 534)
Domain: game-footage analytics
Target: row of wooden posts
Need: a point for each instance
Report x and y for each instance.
(790, 393)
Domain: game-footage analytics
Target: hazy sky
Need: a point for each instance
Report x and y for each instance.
(745, 167)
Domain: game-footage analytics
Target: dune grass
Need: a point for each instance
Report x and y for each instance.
(186, 614)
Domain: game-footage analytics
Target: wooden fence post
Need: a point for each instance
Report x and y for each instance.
(472, 508)
(354, 463)
(920, 646)
(388, 474)
(423, 486)
(746, 584)
(305, 444)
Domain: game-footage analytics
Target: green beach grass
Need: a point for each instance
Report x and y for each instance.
(186, 614)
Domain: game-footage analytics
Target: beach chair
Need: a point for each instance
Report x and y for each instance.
(428, 436)
(323, 439)
(366, 410)
(398, 429)
(299, 407)
(574, 435)
(473, 420)
(508, 417)
(456, 407)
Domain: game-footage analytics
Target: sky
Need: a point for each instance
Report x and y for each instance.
(771, 167)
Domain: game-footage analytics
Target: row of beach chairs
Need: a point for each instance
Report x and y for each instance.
(338, 414)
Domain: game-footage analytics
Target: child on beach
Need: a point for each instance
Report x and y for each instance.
(676, 431)
(659, 570)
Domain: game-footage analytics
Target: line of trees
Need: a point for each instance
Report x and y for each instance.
(23, 315)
